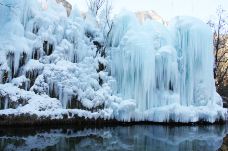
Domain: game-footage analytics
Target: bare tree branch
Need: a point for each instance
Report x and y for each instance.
(220, 48)
(222, 56)
(95, 5)
(109, 22)
(223, 75)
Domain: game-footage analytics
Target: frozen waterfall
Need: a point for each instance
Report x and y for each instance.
(52, 66)
(166, 70)
(194, 47)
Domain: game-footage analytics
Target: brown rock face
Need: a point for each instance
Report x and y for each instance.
(224, 146)
(67, 5)
(150, 15)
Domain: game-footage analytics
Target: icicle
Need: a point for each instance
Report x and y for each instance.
(48, 48)
(10, 59)
(4, 76)
(1, 102)
(37, 54)
(27, 85)
(32, 75)
(64, 98)
(16, 63)
(6, 102)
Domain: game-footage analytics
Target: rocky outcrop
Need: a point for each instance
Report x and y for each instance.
(149, 15)
(66, 4)
(225, 101)
(224, 146)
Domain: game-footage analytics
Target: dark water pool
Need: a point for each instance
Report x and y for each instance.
(120, 138)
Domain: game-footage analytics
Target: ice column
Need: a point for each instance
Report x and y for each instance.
(195, 57)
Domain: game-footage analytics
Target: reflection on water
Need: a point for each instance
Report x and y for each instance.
(138, 137)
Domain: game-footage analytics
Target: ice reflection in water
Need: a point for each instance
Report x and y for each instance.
(138, 137)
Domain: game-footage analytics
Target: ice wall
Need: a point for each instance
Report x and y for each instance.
(123, 23)
(145, 66)
(150, 72)
(159, 67)
(37, 39)
(194, 46)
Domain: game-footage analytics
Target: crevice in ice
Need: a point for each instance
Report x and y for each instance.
(23, 59)
(21, 82)
(101, 49)
(89, 35)
(4, 76)
(48, 48)
(40, 87)
(36, 28)
(70, 100)
(98, 45)
(37, 54)
(32, 75)
(11, 60)
(6, 102)
(75, 103)
(100, 81)
(101, 67)
(15, 61)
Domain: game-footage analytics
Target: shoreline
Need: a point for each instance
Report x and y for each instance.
(27, 121)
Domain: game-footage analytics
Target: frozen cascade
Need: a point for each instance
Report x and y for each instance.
(130, 67)
(145, 67)
(123, 23)
(168, 71)
(50, 66)
(37, 32)
(194, 47)
(166, 77)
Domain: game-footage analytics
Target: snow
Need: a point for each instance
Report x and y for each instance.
(33, 65)
(19, 81)
(68, 79)
(50, 66)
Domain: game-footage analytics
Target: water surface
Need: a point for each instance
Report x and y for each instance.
(119, 138)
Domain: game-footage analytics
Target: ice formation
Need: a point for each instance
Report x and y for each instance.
(166, 69)
(53, 58)
(51, 64)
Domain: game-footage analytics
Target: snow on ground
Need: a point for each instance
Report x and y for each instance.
(50, 66)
